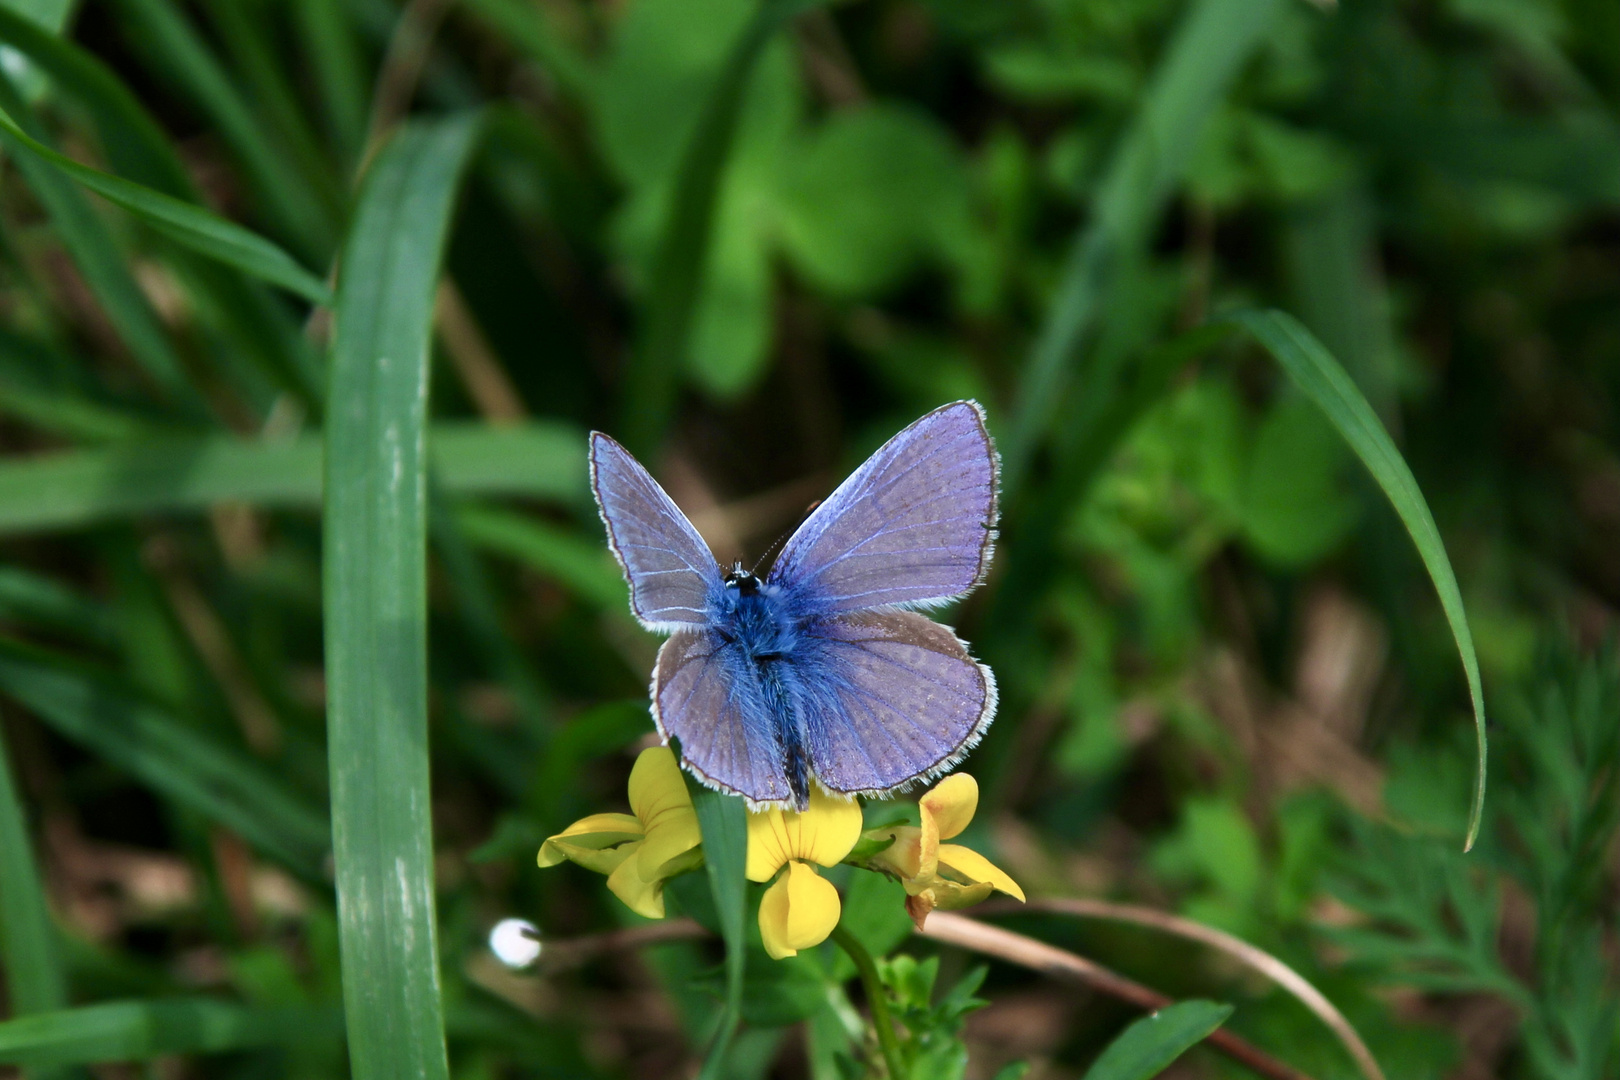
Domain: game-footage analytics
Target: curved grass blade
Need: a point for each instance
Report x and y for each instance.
(173, 758)
(1148, 1046)
(683, 248)
(70, 489)
(139, 150)
(376, 603)
(91, 246)
(1314, 371)
(1210, 46)
(196, 228)
(724, 824)
(289, 196)
(140, 1030)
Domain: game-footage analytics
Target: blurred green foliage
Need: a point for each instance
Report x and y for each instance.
(1227, 688)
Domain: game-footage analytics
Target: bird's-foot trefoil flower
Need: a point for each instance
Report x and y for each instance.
(801, 909)
(938, 875)
(641, 850)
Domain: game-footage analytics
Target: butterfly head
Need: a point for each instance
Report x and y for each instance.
(742, 580)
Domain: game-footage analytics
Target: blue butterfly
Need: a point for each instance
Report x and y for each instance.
(820, 669)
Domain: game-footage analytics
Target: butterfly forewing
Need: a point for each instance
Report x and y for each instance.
(890, 697)
(914, 525)
(671, 571)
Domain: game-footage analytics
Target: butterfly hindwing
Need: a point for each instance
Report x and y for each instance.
(888, 697)
(705, 694)
(671, 571)
(914, 525)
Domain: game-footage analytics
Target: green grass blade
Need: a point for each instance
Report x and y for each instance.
(683, 248)
(171, 757)
(376, 603)
(91, 246)
(183, 54)
(140, 1030)
(481, 613)
(329, 42)
(134, 143)
(34, 598)
(584, 567)
(138, 150)
(724, 824)
(73, 488)
(1314, 371)
(200, 230)
(1147, 1047)
(52, 15)
(1210, 46)
(524, 27)
(34, 978)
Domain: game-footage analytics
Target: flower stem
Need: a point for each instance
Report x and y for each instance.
(877, 999)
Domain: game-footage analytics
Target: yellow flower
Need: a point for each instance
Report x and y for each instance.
(802, 908)
(638, 852)
(937, 875)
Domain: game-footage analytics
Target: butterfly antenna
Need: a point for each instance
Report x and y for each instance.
(782, 539)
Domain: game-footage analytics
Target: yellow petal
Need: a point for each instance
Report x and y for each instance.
(949, 896)
(656, 787)
(824, 834)
(903, 858)
(798, 912)
(645, 898)
(971, 867)
(951, 804)
(589, 834)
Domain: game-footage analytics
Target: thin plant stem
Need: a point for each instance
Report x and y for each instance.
(877, 999)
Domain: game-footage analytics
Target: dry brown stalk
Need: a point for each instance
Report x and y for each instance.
(966, 933)
(1256, 958)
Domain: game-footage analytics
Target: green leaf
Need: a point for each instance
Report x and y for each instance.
(173, 758)
(584, 567)
(376, 602)
(877, 190)
(680, 262)
(183, 56)
(74, 488)
(196, 228)
(335, 57)
(525, 27)
(1314, 371)
(91, 245)
(1210, 46)
(1149, 1046)
(1296, 508)
(141, 1030)
(724, 824)
(34, 979)
(139, 150)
